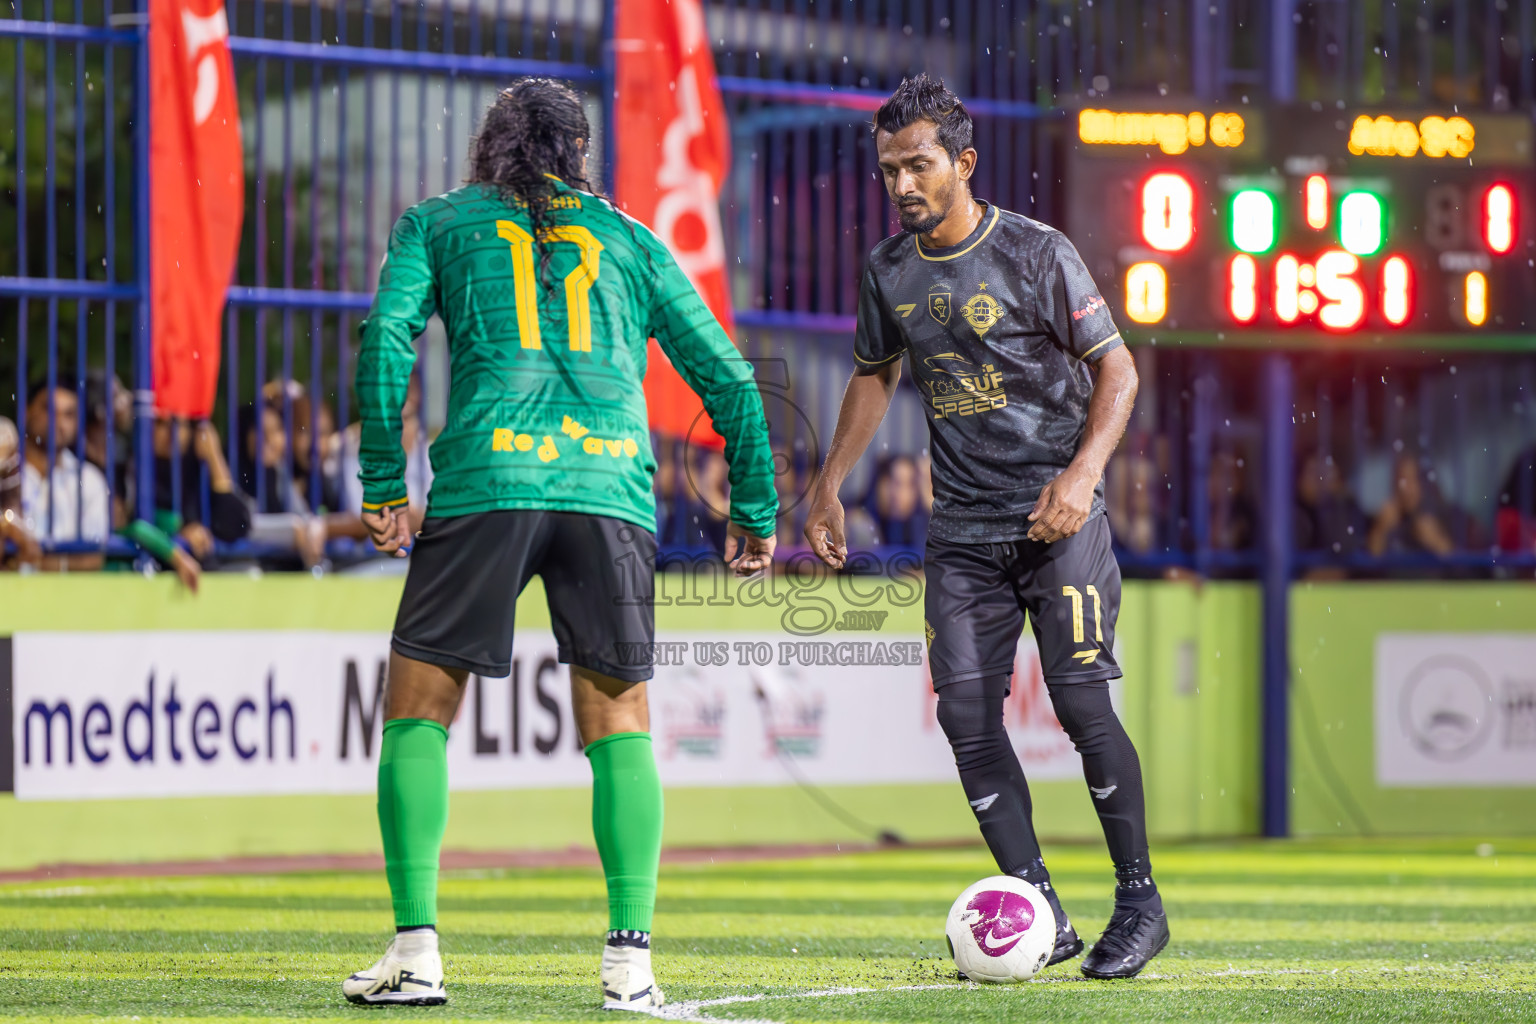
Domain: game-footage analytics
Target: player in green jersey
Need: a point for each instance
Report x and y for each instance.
(548, 295)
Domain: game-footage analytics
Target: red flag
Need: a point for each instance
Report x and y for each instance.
(196, 198)
(673, 151)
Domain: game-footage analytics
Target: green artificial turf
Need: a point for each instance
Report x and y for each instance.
(1359, 931)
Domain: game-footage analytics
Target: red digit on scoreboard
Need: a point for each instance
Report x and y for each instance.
(1499, 218)
(1336, 283)
(1317, 202)
(1243, 288)
(1396, 291)
(1287, 288)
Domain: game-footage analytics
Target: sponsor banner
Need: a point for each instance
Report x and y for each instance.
(149, 714)
(1456, 709)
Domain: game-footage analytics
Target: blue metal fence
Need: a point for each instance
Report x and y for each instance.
(352, 110)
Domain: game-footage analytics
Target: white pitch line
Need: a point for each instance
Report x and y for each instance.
(691, 1009)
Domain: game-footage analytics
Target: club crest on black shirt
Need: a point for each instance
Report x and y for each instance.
(1005, 376)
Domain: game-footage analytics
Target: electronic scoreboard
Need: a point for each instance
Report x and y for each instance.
(1292, 224)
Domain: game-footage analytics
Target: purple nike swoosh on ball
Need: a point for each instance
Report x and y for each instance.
(1005, 917)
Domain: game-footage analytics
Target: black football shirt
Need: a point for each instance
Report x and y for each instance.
(998, 330)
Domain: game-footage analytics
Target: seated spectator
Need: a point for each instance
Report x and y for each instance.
(895, 503)
(794, 470)
(67, 500)
(1414, 518)
(692, 504)
(281, 517)
(418, 465)
(1327, 517)
(109, 400)
(144, 535)
(1130, 500)
(1232, 510)
(1515, 521)
(13, 529)
(317, 454)
(667, 484)
(263, 457)
(709, 509)
(183, 452)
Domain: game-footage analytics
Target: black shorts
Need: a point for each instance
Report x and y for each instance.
(460, 599)
(977, 595)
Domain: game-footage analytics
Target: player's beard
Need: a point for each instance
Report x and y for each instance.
(916, 220)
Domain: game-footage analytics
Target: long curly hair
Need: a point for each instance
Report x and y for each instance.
(535, 128)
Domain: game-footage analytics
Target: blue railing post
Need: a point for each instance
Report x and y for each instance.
(143, 383)
(1202, 411)
(1282, 50)
(609, 85)
(1202, 44)
(1274, 704)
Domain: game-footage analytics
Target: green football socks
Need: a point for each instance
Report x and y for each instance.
(626, 822)
(413, 813)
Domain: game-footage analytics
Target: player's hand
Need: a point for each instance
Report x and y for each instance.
(187, 570)
(745, 552)
(390, 530)
(1063, 506)
(824, 530)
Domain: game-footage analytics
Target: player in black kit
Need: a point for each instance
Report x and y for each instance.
(1029, 387)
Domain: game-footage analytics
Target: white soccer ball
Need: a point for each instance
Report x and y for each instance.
(1001, 930)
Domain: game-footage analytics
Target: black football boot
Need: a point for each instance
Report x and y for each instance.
(1137, 932)
(1068, 945)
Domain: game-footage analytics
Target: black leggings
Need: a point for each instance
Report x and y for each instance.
(971, 715)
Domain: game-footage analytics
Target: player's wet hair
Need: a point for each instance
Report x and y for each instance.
(532, 131)
(924, 98)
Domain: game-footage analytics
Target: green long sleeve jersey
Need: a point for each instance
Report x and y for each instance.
(545, 404)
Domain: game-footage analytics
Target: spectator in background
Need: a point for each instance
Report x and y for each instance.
(691, 486)
(66, 501)
(182, 453)
(13, 529)
(317, 443)
(710, 504)
(418, 466)
(895, 503)
(1327, 517)
(1232, 510)
(666, 483)
(794, 472)
(1515, 520)
(263, 459)
(109, 399)
(281, 518)
(1414, 518)
(1130, 499)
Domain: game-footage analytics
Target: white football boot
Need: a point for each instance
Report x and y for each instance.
(628, 983)
(410, 974)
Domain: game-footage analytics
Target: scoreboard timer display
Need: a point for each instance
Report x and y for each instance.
(1284, 222)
